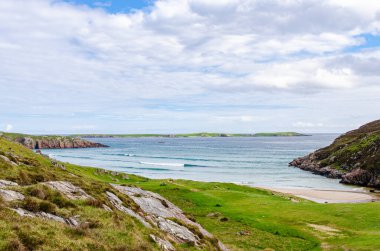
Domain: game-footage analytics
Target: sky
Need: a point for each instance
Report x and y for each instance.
(177, 66)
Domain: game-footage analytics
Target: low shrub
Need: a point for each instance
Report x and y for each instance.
(36, 205)
(94, 203)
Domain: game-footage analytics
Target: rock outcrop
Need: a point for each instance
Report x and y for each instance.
(48, 191)
(354, 157)
(167, 217)
(9, 195)
(163, 244)
(151, 209)
(6, 183)
(118, 204)
(69, 190)
(72, 221)
(50, 142)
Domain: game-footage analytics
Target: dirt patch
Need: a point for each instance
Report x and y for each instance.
(325, 229)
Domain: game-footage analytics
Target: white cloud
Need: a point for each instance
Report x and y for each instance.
(8, 127)
(301, 124)
(58, 58)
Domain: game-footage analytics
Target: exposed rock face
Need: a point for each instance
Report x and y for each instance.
(354, 157)
(6, 159)
(179, 233)
(151, 209)
(161, 213)
(163, 244)
(49, 142)
(69, 190)
(6, 183)
(116, 202)
(72, 221)
(9, 195)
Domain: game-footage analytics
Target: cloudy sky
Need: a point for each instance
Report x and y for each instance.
(137, 66)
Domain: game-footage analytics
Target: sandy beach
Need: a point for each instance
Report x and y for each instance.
(328, 196)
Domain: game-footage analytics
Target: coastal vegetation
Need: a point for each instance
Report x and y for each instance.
(354, 157)
(243, 218)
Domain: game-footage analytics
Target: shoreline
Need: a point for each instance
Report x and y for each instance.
(327, 195)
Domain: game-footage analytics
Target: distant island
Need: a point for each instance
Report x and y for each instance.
(189, 135)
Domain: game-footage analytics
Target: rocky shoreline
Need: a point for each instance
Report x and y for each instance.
(57, 142)
(50, 142)
(354, 157)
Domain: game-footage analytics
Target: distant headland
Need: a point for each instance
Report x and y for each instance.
(49, 141)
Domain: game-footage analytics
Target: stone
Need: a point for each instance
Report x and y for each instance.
(24, 213)
(160, 211)
(213, 215)
(163, 244)
(58, 164)
(180, 233)
(9, 195)
(244, 232)
(6, 159)
(69, 190)
(118, 204)
(72, 221)
(50, 217)
(107, 208)
(6, 183)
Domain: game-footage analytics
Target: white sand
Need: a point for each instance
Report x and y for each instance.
(327, 196)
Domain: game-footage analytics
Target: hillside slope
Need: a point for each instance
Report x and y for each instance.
(49, 142)
(44, 206)
(354, 157)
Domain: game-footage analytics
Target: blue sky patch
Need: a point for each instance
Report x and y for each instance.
(370, 41)
(114, 6)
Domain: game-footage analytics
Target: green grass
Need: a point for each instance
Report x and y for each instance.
(363, 143)
(15, 136)
(271, 219)
(267, 220)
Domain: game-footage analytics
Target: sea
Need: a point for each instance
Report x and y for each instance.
(253, 161)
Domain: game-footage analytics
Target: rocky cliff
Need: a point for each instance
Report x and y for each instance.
(49, 142)
(354, 157)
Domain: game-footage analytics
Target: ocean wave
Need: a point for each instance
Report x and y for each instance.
(162, 164)
(77, 157)
(120, 154)
(171, 164)
(153, 168)
(181, 158)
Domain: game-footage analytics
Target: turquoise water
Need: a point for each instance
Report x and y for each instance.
(260, 161)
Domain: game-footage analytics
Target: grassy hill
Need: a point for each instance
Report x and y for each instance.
(243, 218)
(353, 157)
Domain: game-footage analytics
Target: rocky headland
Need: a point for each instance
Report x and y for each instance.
(50, 142)
(353, 157)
